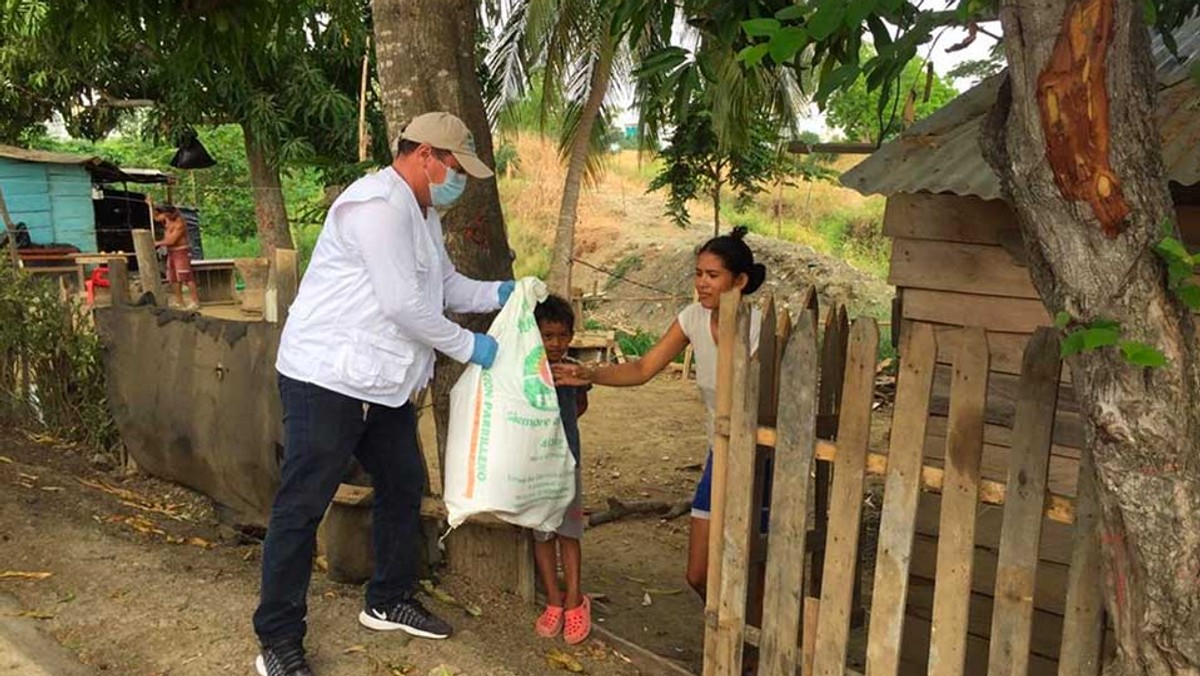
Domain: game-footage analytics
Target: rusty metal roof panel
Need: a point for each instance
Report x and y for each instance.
(942, 153)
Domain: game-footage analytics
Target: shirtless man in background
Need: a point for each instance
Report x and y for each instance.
(179, 263)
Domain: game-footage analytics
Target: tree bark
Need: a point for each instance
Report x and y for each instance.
(269, 208)
(564, 233)
(1090, 195)
(425, 51)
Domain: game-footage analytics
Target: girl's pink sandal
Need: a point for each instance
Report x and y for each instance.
(550, 623)
(578, 622)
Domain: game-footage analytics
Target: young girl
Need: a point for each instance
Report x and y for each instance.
(722, 264)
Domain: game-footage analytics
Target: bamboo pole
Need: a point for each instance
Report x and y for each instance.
(727, 330)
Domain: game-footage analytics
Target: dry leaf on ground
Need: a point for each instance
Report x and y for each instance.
(561, 660)
(24, 575)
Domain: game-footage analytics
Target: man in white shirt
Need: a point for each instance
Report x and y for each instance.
(358, 342)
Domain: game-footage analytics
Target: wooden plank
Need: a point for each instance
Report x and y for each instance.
(956, 556)
(118, 280)
(808, 640)
(783, 589)
(902, 489)
(951, 218)
(1003, 402)
(1188, 216)
(1068, 439)
(994, 463)
(1004, 349)
(1056, 535)
(854, 428)
(768, 356)
(969, 219)
(993, 313)
(916, 642)
(740, 518)
(1047, 626)
(726, 337)
(829, 398)
(143, 244)
(526, 582)
(644, 660)
(1020, 534)
(286, 274)
(1083, 631)
(1059, 508)
(985, 269)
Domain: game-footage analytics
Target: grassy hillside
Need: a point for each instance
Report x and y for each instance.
(831, 219)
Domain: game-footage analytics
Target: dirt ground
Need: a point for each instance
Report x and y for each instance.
(145, 581)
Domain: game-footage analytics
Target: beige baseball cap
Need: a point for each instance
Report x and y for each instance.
(446, 132)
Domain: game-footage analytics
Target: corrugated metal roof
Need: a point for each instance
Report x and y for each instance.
(101, 170)
(45, 157)
(942, 154)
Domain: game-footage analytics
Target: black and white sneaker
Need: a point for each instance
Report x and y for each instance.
(285, 658)
(408, 616)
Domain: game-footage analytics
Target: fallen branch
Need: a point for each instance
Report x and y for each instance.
(620, 510)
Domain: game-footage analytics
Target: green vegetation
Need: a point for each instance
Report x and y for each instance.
(51, 366)
(851, 230)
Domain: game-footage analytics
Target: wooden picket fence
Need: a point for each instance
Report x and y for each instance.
(774, 403)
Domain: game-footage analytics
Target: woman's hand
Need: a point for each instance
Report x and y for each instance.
(576, 375)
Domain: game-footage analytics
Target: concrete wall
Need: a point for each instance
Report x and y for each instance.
(196, 402)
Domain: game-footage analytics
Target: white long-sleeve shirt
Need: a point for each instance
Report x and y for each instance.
(371, 308)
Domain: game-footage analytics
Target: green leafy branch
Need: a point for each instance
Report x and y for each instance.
(1102, 333)
(1181, 267)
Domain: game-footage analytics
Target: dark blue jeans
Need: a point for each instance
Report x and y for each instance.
(322, 429)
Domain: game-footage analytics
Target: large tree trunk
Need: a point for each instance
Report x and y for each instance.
(426, 62)
(1075, 142)
(564, 233)
(269, 208)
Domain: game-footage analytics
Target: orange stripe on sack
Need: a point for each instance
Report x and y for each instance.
(475, 425)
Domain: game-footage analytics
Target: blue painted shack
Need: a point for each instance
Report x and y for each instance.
(72, 200)
(51, 193)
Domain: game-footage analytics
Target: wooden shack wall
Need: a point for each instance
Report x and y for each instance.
(53, 200)
(958, 261)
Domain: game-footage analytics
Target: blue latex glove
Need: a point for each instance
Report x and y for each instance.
(506, 289)
(485, 349)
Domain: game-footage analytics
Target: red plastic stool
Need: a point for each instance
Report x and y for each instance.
(99, 278)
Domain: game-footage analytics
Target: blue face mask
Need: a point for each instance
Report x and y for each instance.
(445, 194)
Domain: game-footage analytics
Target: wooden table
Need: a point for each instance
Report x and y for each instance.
(215, 281)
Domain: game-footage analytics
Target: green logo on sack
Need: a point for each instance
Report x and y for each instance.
(538, 382)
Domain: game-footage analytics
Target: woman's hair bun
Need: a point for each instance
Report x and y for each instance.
(755, 278)
(739, 232)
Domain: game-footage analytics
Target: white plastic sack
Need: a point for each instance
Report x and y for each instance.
(506, 451)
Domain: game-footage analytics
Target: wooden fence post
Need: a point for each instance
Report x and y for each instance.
(783, 590)
(118, 280)
(854, 431)
(285, 283)
(960, 497)
(740, 514)
(1021, 529)
(900, 495)
(143, 246)
(1083, 626)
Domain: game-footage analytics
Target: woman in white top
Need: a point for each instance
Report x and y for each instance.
(724, 263)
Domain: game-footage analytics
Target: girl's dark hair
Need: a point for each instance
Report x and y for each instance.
(555, 309)
(737, 257)
(168, 210)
